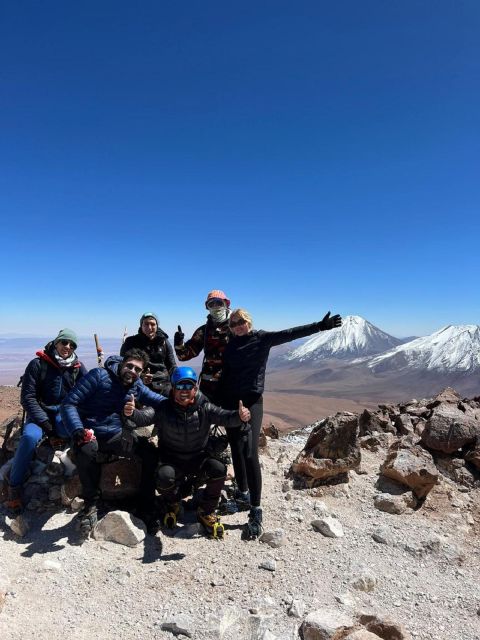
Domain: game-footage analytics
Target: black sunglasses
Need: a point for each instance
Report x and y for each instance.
(68, 343)
(184, 386)
(131, 367)
(237, 323)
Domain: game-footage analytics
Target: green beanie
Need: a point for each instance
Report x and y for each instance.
(67, 334)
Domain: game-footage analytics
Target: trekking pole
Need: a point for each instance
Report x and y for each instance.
(99, 351)
(124, 335)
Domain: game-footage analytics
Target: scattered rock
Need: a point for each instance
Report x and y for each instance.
(364, 581)
(374, 421)
(275, 538)
(449, 429)
(384, 627)
(269, 564)
(326, 624)
(329, 527)
(18, 525)
(120, 527)
(411, 466)
(362, 634)
(296, 609)
(180, 626)
(51, 565)
(395, 504)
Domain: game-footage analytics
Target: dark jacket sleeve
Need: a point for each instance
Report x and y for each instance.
(287, 335)
(145, 396)
(29, 394)
(222, 416)
(170, 362)
(141, 417)
(126, 346)
(85, 388)
(192, 347)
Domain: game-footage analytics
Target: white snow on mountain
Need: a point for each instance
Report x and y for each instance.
(355, 338)
(454, 348)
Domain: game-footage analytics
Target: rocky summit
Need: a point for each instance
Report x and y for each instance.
(371, 531)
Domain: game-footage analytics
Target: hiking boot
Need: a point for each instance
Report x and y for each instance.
(87, 519)
(171, 513)
(239, 502)
(253, 529)
(211, 523)
(14, 500)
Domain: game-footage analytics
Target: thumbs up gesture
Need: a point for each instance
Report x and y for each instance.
(179, 337)
(129, 407)
(243, 412)
(147, 376)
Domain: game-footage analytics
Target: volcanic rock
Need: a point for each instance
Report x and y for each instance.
(449, 429)
(120, 527)
(411, 466)
(325, 624)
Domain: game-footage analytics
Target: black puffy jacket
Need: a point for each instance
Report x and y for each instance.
(161, 359)
(183, 431)
(245, 360)
(45, 384)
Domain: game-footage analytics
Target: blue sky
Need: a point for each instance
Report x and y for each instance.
(301, 156)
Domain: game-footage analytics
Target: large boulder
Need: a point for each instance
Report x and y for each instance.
(325, 624)
(447, 395)
(411, 466)
(449, 428)
(330, 452)
(120, 527)
(384, 627)
(374, 422)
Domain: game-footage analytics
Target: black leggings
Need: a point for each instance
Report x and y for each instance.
(244, 447)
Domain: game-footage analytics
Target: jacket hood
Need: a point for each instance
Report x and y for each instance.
(112, 363)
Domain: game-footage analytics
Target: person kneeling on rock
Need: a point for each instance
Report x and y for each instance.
(182, 424)
(93, 416)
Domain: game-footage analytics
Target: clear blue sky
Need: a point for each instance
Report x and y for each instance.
(301, 156)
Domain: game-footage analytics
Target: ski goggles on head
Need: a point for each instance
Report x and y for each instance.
(131, 367)
(215, 302)
(185, 386)
(238, 323)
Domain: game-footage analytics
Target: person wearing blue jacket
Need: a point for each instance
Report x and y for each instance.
(92, 415)
(47, 380)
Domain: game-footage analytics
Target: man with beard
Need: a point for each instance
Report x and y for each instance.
(92, 414)
(161, 359)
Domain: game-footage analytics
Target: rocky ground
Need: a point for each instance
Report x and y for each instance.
(419, 569)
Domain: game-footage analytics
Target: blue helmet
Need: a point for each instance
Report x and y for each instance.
(183, 373)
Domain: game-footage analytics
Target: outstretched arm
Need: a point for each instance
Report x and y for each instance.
(287, 335)
(228, 419)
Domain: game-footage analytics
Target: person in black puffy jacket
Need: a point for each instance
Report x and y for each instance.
(93, 416)
(47, 380)
(161, 359)
(182, 424)
(243, 378)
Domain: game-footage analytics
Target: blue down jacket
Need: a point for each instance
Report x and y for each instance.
(98, 399)
(45, 385)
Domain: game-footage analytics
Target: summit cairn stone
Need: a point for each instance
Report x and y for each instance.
(330, 453)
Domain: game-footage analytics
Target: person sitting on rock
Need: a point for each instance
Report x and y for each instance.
(93, 417)
(182, 424)
(212, 337)
(161, 359)
(47, 380)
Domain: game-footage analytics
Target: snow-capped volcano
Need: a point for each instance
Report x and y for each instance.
(455, 348)
(355, 338)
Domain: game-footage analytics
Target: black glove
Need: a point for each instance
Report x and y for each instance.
(328, 322)
(47, 426)
(178, 337)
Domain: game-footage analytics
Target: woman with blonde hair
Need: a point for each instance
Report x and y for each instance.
(243, 378)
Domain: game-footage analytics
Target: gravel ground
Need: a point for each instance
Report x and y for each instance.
(424, 574)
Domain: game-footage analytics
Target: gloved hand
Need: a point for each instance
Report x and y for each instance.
(81, 437)
(47, 426)
(328, 322)
(179, 337)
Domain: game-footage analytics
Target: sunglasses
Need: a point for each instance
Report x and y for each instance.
(237, 323)
(184, 386)
(131, 367)
(68, 343)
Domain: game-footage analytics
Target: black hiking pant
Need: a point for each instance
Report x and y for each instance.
(89, 469)
(244, 448)
(171, 473)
